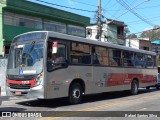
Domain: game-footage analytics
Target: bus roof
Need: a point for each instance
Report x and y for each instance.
(89, 41)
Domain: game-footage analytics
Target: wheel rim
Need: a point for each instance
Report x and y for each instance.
(76, 93)
(135, 88)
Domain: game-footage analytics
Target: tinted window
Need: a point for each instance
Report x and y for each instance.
(100, 55)
(115, 57)
(149, 61)
(128, 59)
(139, 60)
(80, 53)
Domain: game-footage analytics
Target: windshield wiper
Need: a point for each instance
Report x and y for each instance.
(30, 49)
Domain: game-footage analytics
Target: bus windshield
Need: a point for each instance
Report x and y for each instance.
(26, 58)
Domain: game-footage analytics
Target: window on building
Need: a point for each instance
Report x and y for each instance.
(146, 48)
(100, 56)
(76, 30)
(80, 53)
(22, 20)
(55, 26)
(120, 30)
(115, 57)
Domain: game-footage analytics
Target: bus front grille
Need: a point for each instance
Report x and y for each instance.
(20, 86)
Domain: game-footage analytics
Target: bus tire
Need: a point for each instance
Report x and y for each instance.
(134, 87)
(147, 87)
(75, 93)
(157, 87)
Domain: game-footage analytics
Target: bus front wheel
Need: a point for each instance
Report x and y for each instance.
(75, 93)
(134, 87)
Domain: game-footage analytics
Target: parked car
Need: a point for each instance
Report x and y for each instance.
(0, 96)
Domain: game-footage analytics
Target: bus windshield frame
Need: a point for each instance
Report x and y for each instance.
(26, 57)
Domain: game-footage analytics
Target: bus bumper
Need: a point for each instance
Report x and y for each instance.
(35, 92)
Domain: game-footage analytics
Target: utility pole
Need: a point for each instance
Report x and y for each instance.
(99, 20)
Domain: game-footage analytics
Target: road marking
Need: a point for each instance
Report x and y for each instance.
(69, 114)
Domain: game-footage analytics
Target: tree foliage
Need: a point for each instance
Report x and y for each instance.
(126, 32)
(152, 34)
(132, 36)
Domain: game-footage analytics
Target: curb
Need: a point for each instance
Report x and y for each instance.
(5, 98)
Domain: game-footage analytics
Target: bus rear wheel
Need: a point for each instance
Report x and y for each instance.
(134, 87)
(75, 93)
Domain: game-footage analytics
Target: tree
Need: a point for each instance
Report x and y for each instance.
(152, 34)
(132, 36)
(126, 32)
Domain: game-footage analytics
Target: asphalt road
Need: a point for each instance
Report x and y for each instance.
(112, 105)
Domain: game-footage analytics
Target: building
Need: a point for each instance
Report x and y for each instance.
(139, 43)
(156, 48)
(19, 16)
(112, 32)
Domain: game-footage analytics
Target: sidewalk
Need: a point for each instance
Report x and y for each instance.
(3, 96)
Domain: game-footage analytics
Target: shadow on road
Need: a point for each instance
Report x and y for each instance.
(54, 103)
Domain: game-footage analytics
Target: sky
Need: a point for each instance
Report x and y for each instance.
(146, 12)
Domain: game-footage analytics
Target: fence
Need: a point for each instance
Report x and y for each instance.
(3, 67)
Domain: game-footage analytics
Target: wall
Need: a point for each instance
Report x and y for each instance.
(3, 66)
(112, 31)
(133, 43)
(23, 7)
(144, 43)
(9, 32)
(2, 4)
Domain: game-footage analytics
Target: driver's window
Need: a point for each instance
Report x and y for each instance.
(59, 57)
(55, 58)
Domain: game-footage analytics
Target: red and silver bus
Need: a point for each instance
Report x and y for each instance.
(46, 65)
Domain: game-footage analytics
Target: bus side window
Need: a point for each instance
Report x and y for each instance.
(100, 55)
(139, 60)
(80, 53)
(95, 56)
(149, 61)
(114, 57)
(128, 60)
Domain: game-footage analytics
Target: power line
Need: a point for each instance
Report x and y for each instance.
(141, 21)
(63, 6)
(138, 8)
(84, 3)
(125, 5)
(147, 30)
(107, 3)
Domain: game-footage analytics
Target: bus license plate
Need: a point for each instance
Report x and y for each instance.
(18, 92)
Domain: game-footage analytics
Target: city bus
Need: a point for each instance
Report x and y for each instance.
(47, 65)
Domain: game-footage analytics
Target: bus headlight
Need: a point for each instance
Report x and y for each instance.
(38, 80)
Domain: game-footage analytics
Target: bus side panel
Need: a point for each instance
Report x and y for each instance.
(149, 78)
(58, 81)
(96, 79)
(107, 79)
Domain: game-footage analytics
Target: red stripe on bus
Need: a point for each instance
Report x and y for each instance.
(31, 82)
(124, 79)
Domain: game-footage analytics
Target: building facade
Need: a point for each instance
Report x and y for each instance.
(19, 16)
(156, 48)
(112, 32)
(139, 43)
